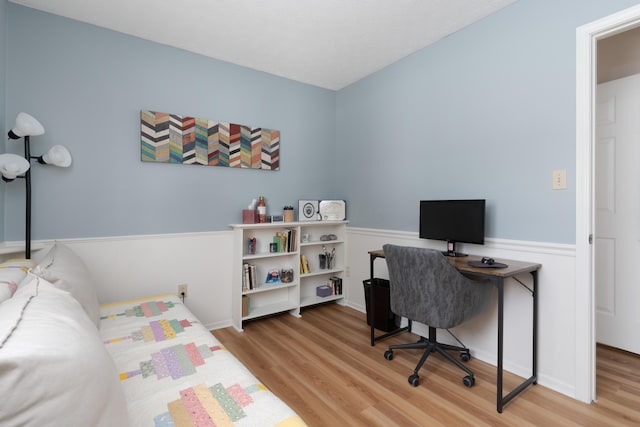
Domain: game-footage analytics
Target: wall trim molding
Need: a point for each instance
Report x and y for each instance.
(134, 237)
(557, 249)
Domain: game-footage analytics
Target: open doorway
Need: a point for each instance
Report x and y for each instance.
(587, 39)
(617, 191)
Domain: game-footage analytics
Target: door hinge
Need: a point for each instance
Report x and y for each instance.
(591, 239)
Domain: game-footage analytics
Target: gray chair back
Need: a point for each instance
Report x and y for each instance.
(426, 288)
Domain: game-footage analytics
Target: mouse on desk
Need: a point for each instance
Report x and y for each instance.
(487, 260)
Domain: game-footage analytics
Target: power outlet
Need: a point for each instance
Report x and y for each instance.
(182, 290)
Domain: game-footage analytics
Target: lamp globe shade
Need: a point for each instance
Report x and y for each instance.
(12, 165)
(26, 125)
(58, 155)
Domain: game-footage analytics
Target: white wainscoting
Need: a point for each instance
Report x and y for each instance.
(133, 266)
(556, 303)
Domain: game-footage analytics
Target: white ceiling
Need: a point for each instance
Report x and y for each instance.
(326, 43)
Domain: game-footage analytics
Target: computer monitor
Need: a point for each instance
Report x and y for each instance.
(453, 221)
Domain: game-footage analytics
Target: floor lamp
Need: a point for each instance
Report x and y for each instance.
(13, 166)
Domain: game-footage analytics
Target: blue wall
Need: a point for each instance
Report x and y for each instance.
(488, 112)
(86, 85)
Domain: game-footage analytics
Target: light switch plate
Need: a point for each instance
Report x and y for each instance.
(559, 180)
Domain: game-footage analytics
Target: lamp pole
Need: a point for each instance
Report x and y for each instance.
(58, 155)
(27, 181)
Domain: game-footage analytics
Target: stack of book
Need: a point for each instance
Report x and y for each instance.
(335, 283)
(249, 277)
(286, 241)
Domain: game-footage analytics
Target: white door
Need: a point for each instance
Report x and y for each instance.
(617, 210)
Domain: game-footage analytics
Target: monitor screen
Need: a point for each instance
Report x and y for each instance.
(453, 221)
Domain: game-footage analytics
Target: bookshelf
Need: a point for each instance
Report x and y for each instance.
(252, 270)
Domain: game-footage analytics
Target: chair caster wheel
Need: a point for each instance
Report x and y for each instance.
(465, 356)
(468, 381)
(414, 380)
(388, 355)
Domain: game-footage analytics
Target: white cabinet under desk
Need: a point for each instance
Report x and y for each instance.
(254, 295)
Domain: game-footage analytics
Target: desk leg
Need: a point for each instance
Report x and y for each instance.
(534, 368)
(500, 286)
(533, 379)
(372, 258)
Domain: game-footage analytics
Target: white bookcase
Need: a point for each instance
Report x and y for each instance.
(270, 298)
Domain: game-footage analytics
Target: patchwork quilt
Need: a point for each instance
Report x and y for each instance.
(174, 372)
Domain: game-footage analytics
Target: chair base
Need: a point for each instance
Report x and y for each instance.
(431, 345)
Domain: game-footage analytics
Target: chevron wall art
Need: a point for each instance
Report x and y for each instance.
(170, 138)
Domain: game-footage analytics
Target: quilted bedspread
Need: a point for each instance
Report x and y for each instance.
(174, 372)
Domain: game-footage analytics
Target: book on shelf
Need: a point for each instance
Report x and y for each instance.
(286, 240)
(281, 241)
(335, 283)
(293, 241)
(249, 277)
(252, 269)
(246, 305)
(245, 277)
(304, 265)
(277, 241)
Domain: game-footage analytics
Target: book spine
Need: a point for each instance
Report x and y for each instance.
(304, 264)
(336, 285)
(252, 275)
(245, 277)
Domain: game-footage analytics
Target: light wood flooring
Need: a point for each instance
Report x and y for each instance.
(323, 367)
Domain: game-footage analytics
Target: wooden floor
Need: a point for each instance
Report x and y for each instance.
(324, 368)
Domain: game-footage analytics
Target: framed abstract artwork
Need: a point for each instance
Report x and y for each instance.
(171, 138)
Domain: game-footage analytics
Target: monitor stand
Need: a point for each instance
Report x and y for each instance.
(451, 250)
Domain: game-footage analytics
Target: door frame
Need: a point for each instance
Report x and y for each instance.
(587, 37)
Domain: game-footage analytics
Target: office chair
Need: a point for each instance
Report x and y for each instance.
(426, 288)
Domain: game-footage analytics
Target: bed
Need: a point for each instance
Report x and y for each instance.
(65, 360)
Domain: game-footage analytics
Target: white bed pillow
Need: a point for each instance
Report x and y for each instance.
(54, 369)
(12, 272)
(65, 270)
